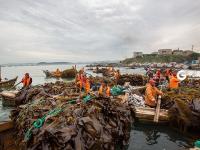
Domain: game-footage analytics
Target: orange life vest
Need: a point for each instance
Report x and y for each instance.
(173, 82)
(108, 91)
(87, 86)
(101, 90)
(26, 81)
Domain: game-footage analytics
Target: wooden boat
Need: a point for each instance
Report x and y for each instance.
(7, 139)
(146, 115)
(50, 74)
(9, 98)
(8, 83)
(68, 73)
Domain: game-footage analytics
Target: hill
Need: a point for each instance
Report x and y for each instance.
(153, 58)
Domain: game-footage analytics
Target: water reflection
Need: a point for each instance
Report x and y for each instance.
(148, 137)
(151, 136)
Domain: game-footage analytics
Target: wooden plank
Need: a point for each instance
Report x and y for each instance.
(6, 125)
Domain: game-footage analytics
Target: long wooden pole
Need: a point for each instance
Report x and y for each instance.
(156, 117)
(0, 73)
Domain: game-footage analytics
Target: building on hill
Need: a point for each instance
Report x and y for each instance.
(177, 52)
(137, 54)
(165, 51)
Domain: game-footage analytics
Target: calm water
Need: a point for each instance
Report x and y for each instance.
(142, 137)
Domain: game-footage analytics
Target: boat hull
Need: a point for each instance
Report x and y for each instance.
(8, 84)
(146, 115)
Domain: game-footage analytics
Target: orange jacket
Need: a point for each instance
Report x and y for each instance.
(150, 94)
(108, 91)
(87, 86)
(101, 90)
(104, 91)
(173, 82)
(26, 81)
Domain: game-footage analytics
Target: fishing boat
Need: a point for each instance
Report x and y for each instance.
(50, 74)
(8, 83)
(143, 113)
(68, 73)
(9, 98)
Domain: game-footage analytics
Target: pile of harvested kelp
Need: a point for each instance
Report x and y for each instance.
(134, 79)
(101, 123)
(69, 73)
(47, 90)
(185, 113)
(191, 83)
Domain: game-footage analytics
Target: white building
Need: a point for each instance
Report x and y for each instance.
(137, 54)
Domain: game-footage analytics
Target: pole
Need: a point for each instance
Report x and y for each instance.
(0, 73)
(156, 117)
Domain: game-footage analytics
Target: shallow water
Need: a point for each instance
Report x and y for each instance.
(142, 137)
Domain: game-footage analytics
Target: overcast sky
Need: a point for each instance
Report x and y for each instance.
(88, 30)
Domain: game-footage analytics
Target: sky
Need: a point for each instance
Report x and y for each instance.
(94, 30)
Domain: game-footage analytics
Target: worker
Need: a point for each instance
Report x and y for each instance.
(151, 93)
(101, 91)
(108, 90)
(173, 82)
(57, 73)
(27, 80)
(168, 73)
(158, 73)
(79, 80)
(87, 86)
(117, 76)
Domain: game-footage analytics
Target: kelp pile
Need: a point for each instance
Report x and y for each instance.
(49, 122)
(191, 83)
(47, 90)
(134, 79)
(185, 113)
(69, 73)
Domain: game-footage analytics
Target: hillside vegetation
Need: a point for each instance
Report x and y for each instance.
(151, 58)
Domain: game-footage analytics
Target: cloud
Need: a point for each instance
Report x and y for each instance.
(82, 30)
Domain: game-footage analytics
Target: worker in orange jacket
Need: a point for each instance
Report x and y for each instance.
(87, 86)
(151, 93)
(26, 80)
(79, 80)
(117, 76)
(104, 89)
(173, 82)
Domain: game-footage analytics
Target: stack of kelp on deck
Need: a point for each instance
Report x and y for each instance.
(49, 122)
(185, 113)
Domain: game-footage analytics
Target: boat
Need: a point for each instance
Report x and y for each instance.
(7, 138)
(68, 73)
(50, 74)
(8, 83)
(146, 115)
(143, 113)
(9, 98)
